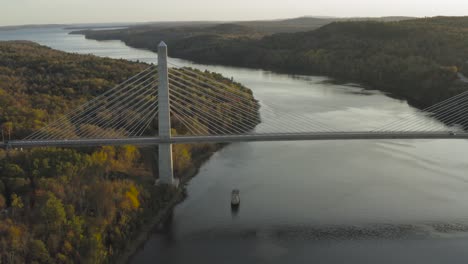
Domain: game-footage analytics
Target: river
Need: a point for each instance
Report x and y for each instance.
(383, 201)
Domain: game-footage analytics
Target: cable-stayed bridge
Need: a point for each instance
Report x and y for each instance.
(211, 111)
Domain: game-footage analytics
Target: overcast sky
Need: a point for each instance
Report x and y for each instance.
(15, 12)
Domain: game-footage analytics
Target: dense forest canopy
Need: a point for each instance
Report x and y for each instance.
(37, 84)
(417, 59)
(77, 205)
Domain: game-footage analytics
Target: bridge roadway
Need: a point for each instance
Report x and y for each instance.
(151, 141)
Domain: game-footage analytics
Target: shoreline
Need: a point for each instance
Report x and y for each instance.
(142, 235)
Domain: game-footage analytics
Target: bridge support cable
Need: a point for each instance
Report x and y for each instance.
(234, 96)
(118, 114)
(125, 127)
(296, 122)
(122, 112)
(189, 115)
(252, 118)
(90, 105)
(192, 100)
(182, 121)
(444, 105)
(104, 112)
(293, 121)
(142, 130)
(240, 104)
(317, 125)
(82, 117)
(233, 93)
(198, 104)
(217, 94)
(191, 128)
(449, 112)
(274, 129)
(139, 128)
(116, 108)
(192, 121)
(207, 122)
(419, 122)
(212, 119)
(455, 115)
(222, 117)
(139, 117)
(181, 91)
(111, 91)
(97, 118)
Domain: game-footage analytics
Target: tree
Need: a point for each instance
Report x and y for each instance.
(8, 128)
(132, 196)
(13, 171)
(96, 251)
(127, 155)
(12, 241)
(54, 213)
(38, 252)
(182, 158)
(16, 203)
(2, 202)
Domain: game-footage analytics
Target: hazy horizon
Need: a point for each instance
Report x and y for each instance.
(175, 21)
(30, 12)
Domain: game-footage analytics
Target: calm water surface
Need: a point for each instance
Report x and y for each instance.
(387, 201)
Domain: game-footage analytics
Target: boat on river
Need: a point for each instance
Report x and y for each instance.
(235, 198)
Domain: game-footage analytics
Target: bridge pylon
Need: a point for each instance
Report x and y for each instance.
(165, 165)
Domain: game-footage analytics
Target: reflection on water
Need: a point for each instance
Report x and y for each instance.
(388, 201)
(235, 211)
(296, 233)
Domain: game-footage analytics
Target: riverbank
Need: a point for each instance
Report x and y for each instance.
(145, 231)
(179, 195)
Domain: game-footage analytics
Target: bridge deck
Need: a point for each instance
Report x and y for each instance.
(150, 141)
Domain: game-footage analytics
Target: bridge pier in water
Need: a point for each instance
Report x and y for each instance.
(165, 165)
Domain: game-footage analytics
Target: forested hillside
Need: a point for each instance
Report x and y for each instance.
(416, 59)
(149, 37)
(75, 205)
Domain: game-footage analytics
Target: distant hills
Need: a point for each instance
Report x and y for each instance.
(306, 23)
(148, 35)
(265, 26)
(418, 59)
(5, 28)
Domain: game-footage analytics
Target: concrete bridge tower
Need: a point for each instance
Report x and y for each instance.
(164, 119)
